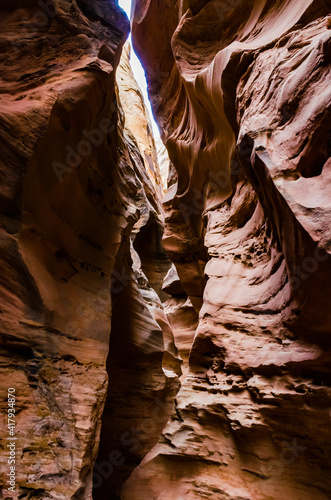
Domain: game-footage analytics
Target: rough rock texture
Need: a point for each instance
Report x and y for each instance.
(241, 91)
(182, 316)
(74, 195)
(92, 310)
(143, 364)
(137, 121)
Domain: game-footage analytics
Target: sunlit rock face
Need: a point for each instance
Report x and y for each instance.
(137, 121)
(242, 95)
(75, 195)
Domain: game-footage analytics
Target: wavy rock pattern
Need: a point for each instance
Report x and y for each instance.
(241, 93)
(74, 196)
(92, 309)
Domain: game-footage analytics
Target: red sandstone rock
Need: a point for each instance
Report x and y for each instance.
(241, 92)
(74, 195)
(242, 97)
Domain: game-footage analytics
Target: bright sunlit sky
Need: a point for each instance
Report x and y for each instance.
(138, 69)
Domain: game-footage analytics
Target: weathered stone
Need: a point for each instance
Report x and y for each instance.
(241, 93)
(99, 321)
(74, 195)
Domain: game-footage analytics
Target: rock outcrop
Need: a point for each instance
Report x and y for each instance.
(75, 196)
(100, 323)
(242, 96)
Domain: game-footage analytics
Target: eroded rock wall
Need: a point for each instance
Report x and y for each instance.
(74, 195)
(143, 362)
(241, 93)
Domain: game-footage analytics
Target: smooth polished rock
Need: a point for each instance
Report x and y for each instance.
(242, 96)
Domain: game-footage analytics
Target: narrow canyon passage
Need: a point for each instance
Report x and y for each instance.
(165, 310)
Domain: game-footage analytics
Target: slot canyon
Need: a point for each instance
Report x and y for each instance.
(165, 302)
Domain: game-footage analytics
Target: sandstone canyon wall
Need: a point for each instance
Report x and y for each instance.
(241, 90)
(75, 195)
(199, 369)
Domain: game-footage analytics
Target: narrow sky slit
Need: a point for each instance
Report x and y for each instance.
(138, 70)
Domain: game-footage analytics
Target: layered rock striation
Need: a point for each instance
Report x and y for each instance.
(75, 195)
(100, 322)
(242, 96)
